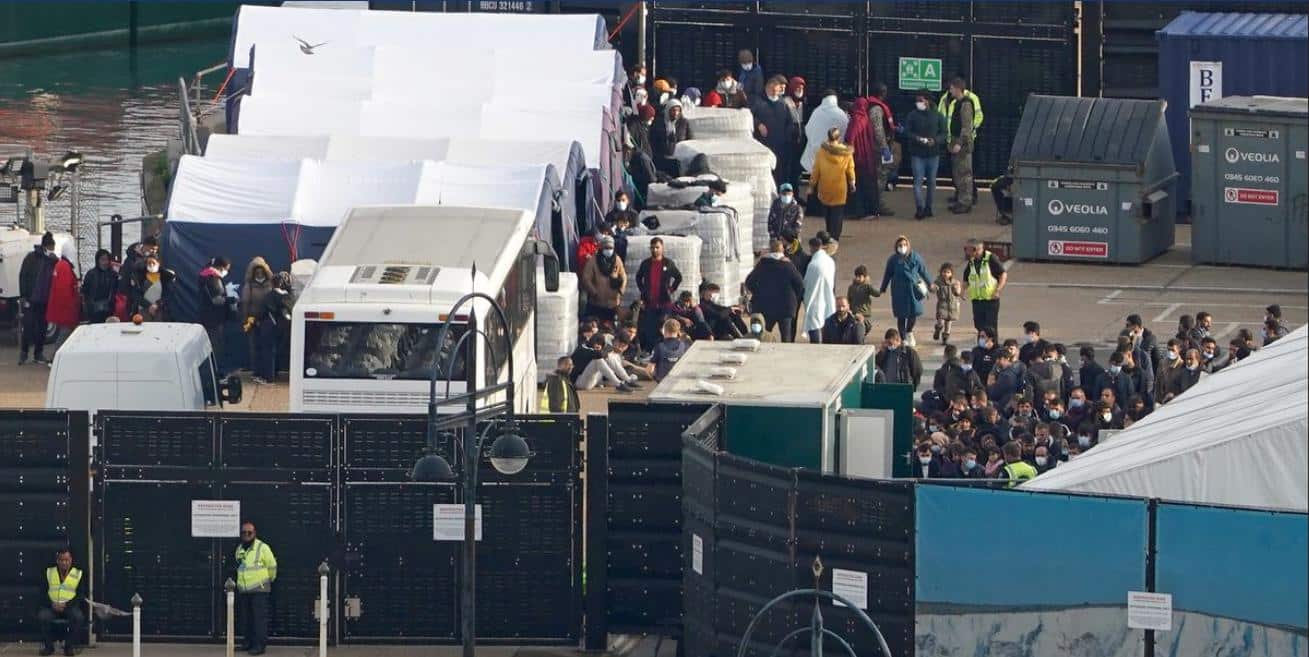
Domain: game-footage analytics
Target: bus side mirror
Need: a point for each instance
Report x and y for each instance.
(229, 390)
(547, 253)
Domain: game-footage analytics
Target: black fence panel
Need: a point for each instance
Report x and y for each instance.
(146, 548)
(643, 514)
(381, 442)
(1025, 13)
(1005, 71)
(920, 10)
(180, 440)
(822, 56)
(43, 507)
(303, 442)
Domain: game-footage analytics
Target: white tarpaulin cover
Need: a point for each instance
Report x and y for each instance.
(259, 27)
(1238, 437)
(316, 193)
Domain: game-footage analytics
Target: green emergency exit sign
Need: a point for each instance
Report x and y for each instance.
(920, 73)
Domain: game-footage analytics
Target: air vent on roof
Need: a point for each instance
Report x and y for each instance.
(394, 275)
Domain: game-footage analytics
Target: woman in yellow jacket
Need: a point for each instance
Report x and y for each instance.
(833, 179)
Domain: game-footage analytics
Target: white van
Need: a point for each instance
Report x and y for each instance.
(157, 366)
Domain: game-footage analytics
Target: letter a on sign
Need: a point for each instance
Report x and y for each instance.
(1206, 82)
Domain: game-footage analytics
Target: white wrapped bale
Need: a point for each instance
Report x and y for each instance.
(683, 251)
(720, 249)
(719, 122)
(739, 197)
(556, 322)
(743, 160)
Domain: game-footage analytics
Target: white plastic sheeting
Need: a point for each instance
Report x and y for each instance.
(315, 193)
(739, 197)
(719, 122)
(1236, 438)
(739, 160)
(265, 27)
(721, 250)
(556, 323)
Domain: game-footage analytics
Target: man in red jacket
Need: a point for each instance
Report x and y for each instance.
(64, 309)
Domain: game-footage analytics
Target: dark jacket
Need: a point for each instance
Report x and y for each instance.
(1088, 375)
(751, 81)
(1188, 378)
(98, 289)
(582, 356)
(668, 283)
(699, 328)
(139, 284)
(214, 306)
(34, 276)
(665, 356)
(721, 322)
(783, 131)
(983, 362)
(839, 331)
(929, 124)
(559, 395)
(276, 309)
(900, 365)
(785, 218)
(1121, 383)
(951, 379)
(939, 468)
(1007, 383)
(661, 143)
(775, 288)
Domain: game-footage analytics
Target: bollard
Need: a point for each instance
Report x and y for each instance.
(230, 587)
(136, 625)
(322, 609)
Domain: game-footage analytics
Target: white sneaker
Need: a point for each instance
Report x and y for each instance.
(909, 340)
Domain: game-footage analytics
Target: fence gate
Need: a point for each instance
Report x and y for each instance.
(43, 507)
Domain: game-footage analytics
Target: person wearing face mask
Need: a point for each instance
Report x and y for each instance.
(898, 362)
(1005, 380)
(604, 279)
(794, 101)
(969, 468)
(826, 116)
(1142, 337)
(728, 90)
(64, 310)
(1168, 379)
(756, 329)
(984, 354)
(1089, 372)
(842, 327)
(1106, 417)
(725, 322)
(99, 286)
(638, 130)
(907, 276)
(670, 129)
(713, 194)
(925, 129)
(776, 127)
(1136, 365)
(775, 291)
(833, 180)
(785, 215)
(1042, 460)
(1212, 358)
(952, 379)
(635, 81)
(622, 209)
(691, 97)
(256, 285)
(750, 74)
(215, 306)
(152, 291)
(1113, 378)
(272, 322)
(34, 284)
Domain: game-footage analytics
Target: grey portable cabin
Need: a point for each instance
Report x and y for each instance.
(1249, 201)
(1094, 180)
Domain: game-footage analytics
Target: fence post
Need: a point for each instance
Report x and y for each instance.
(322, 608)
(230, 587)
(136, 625)
(116, 235)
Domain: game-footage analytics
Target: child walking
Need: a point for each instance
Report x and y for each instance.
(860, 294)
(948, 293)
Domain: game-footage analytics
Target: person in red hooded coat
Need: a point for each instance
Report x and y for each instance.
(64, 310)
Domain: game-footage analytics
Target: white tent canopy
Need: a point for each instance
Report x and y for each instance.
(317, 193)
(266, 27)
(1237, 437)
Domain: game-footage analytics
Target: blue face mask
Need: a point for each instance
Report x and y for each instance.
(1084, 441)
(1054, 415)
(970, 464)
(1076, 403)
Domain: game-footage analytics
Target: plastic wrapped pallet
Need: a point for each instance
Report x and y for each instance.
(556, 323)
(719, 122)
(720, 248)
(683, 251)
(743, 160)
(684, 191)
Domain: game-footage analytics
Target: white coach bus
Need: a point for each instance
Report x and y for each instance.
(363, 337)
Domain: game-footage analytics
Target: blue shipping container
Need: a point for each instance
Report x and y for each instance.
(1260, 54)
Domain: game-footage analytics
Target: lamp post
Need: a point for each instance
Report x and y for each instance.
(508, 455)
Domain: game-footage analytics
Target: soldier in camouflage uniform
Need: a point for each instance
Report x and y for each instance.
(963, 116)
(879, 114)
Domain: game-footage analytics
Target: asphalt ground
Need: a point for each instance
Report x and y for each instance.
(1074, 303)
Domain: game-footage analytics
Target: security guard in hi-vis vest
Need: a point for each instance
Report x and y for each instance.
(61, 598)
(963, 117)
(256, 569)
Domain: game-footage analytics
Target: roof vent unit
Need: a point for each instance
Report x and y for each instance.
(394, 275)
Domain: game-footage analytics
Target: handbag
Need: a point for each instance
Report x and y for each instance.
(920, 288)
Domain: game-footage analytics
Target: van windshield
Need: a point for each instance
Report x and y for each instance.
(374, 350)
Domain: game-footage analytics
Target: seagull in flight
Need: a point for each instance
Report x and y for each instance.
(306, 47)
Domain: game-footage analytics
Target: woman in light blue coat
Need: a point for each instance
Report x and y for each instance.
(906, 274)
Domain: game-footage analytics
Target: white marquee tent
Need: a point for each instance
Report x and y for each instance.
(1238, 437)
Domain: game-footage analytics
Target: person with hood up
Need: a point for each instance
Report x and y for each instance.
(257, 284)
(604, 279)
(794, 100)
(826, 116)
(65, 307)
(775, 127)
(691, 97)
(99, 286)
(750, 74)
(152, 290)
(272, 318)
(819, 290)
(34, 279)
(215, 306)
(638, 129)
(906, 275)
(785, 216)
(776, 289)
(833, 178)
(860, 137)
(670, 129)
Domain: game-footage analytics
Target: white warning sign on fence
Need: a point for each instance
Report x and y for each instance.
(215, 518)
(851, 585)
(1149, 611)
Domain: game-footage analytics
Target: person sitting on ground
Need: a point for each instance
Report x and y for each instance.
(898, 362)
(724, 322)
(842, 327)
(713, 194)
(622, 208)
(591, 367)
(558, 395)
(692, 319)
(668, 351)
(757, 331)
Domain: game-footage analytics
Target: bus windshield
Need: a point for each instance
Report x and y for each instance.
(374, 350)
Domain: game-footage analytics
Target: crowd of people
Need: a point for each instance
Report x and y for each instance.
(139, 288)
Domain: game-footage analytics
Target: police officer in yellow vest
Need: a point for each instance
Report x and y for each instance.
(559, 394)
(984, 279)
(256, 568)
(61, 599)
(963, 116)
(1015, 469)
